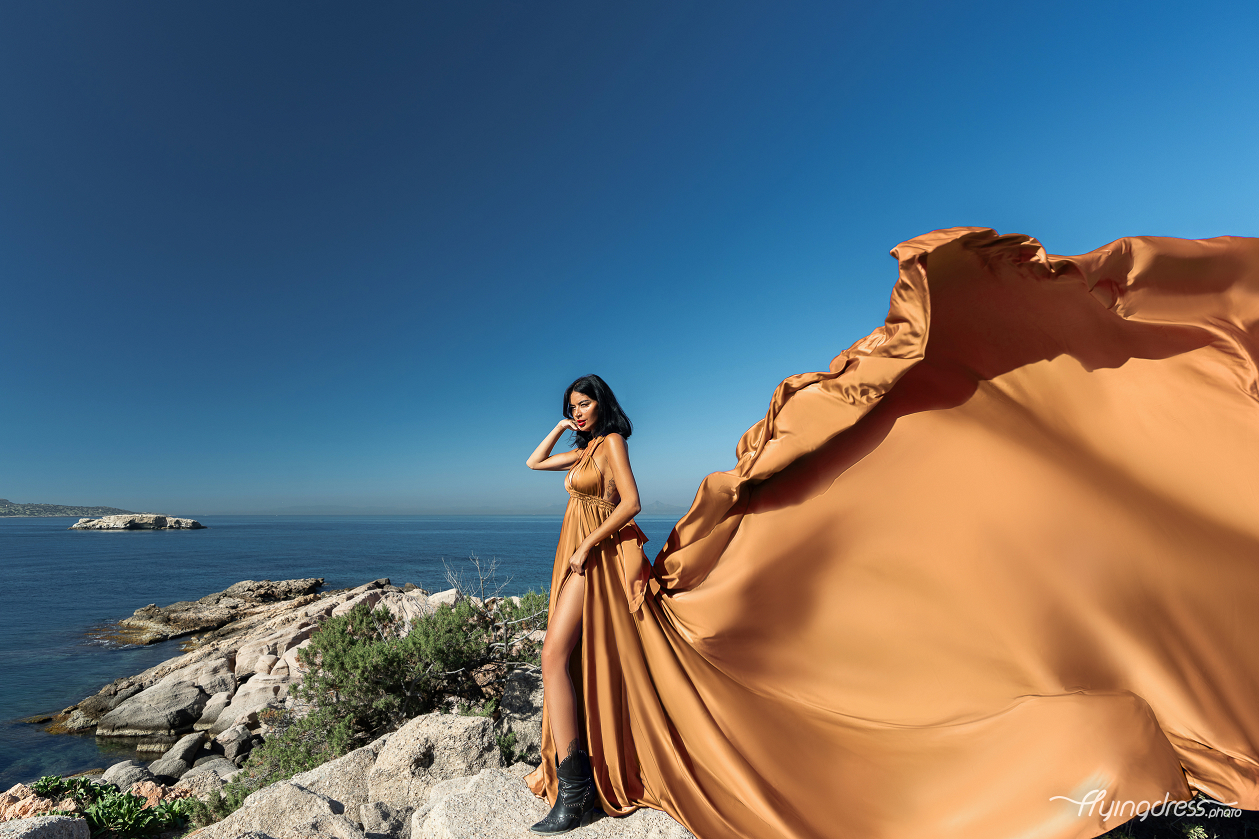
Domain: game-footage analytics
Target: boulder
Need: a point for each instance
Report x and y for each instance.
(215, 677)
(88, 712)
(201, 785)
(186, 748)
(168, 770)
(258, 691)
(427, 750)
(250, 657)
(45, 827)
(154, 793)
(289, 662)
(77, 721)
(436, 795)
(380, 821)
(245, 707)
(405, 607)
(497, 804)
(449, 597)
(371, 598)
(126, 773)
(323, 608)
(273, 810)
(217, 764)
(22, 802)
(324, 827)
(213, 708)
(265, 591)
(343, 780)
(162, 709)
(521, 708)
(235, 741)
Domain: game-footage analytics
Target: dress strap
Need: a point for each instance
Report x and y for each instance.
(590, 450)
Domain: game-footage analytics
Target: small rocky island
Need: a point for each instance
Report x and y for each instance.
(137, 521)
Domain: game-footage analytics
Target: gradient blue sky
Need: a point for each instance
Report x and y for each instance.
(260, 255)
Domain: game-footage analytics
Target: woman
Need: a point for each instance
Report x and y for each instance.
(598, 540)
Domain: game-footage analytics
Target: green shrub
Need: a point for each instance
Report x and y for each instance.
(361, 665)
(507, 748)
(220, 804)
(367, 678)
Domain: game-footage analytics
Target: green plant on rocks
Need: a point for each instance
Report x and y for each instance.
(112, 813)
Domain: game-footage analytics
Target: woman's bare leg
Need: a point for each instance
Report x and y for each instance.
(562, 634)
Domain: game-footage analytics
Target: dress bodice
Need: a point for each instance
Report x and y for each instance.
(586, 481)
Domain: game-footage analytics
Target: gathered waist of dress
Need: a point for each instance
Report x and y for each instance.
(607, 507)
(593, 499)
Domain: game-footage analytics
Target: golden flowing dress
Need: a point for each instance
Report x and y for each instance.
(994, 574)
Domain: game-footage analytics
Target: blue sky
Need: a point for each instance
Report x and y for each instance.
(262, 255)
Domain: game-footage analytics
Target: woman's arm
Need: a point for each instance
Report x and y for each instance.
(626, 508)
(542, 457)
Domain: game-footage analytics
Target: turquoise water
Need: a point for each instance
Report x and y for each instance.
(59, 585)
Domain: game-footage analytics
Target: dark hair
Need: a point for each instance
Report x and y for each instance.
(611, 417)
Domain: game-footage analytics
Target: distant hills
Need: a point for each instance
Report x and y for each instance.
(655, 508)
(11, 508)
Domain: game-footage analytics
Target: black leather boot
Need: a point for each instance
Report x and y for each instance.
(577, 803)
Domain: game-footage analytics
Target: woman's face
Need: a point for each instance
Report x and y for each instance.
(585, 411)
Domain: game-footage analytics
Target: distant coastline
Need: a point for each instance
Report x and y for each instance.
(11, 509)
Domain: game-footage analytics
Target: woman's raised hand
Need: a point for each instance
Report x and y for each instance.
(542, 457)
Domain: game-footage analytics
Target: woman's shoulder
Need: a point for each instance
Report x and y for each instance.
(614, 445)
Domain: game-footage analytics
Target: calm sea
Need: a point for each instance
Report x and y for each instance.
(59, 585)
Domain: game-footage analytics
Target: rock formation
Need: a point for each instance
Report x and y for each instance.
(439, 776)
(243, 600)
(137, 521)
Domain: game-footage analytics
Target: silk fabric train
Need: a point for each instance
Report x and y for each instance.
(1003, 556)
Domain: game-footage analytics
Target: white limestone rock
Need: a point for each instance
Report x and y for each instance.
(213, 708)
(496, 804)
(126, 773)
(449, 597)
(274, 810)
(344, 780)
(163, 708)
(427, 750)
(45, 827)
(201, 784)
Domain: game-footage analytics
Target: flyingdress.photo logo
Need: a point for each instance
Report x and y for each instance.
(1140, 809)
